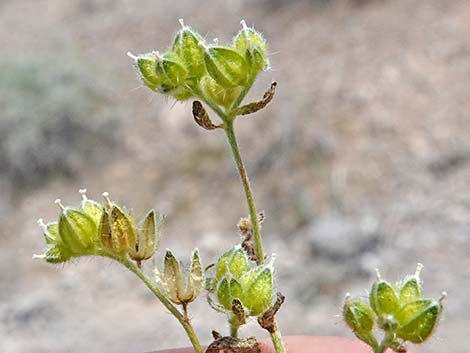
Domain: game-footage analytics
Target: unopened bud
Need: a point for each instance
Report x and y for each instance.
(163, 73)
(78, 231)
(257, 286)
(186, 47)
(418, 319)
(235, 261)
(361, 319)
(226, 66)
(146, 65)
(411, 287)
(383, 298)
(251, 44)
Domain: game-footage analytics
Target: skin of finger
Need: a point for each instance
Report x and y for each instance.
(306, 344)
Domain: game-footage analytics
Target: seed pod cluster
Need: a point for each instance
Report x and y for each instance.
(399, 310)
(236, 283)
(213, 72)
(100, 229)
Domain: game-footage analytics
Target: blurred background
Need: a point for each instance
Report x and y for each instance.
(361, 161)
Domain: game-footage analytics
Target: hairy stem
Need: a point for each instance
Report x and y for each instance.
(160, 296)
(232, 140)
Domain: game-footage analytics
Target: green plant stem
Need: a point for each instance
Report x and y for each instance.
(278, 344)
(388, 338)
(233, 330)
(232, 140)
(160, 296)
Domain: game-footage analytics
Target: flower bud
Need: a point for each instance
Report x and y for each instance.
(226, 66)
(417, 320)
(361, 319)
(218, 94)
(383, 297)
(411, 287)
(78, 231)
(118, 230)
(186, 47)
(358, 316)
(148, 238)
(235, 261)
(164, 74)
(257, 285)
(252, 46)
(146, 66)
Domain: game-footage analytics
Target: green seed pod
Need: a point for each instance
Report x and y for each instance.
(235, 260)
(226, 66)
(169, 67)
(146, 66)
(148, 237)
(383, 298)
(163, 73)
(218, 94)
(78, 231)
(251, 44)
(118, 229)
(228, 290)
(187, 49)
(411, 287)
(257, 286)
(361, 320)
(358, 316)
(418, 319)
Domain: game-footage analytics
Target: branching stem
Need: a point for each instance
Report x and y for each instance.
(232, 140)
(156, 291)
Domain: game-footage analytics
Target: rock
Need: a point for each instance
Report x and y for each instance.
(337, 237)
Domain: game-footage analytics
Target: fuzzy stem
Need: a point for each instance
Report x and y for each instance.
(160, 296)
(228, 120)
(232, 140)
